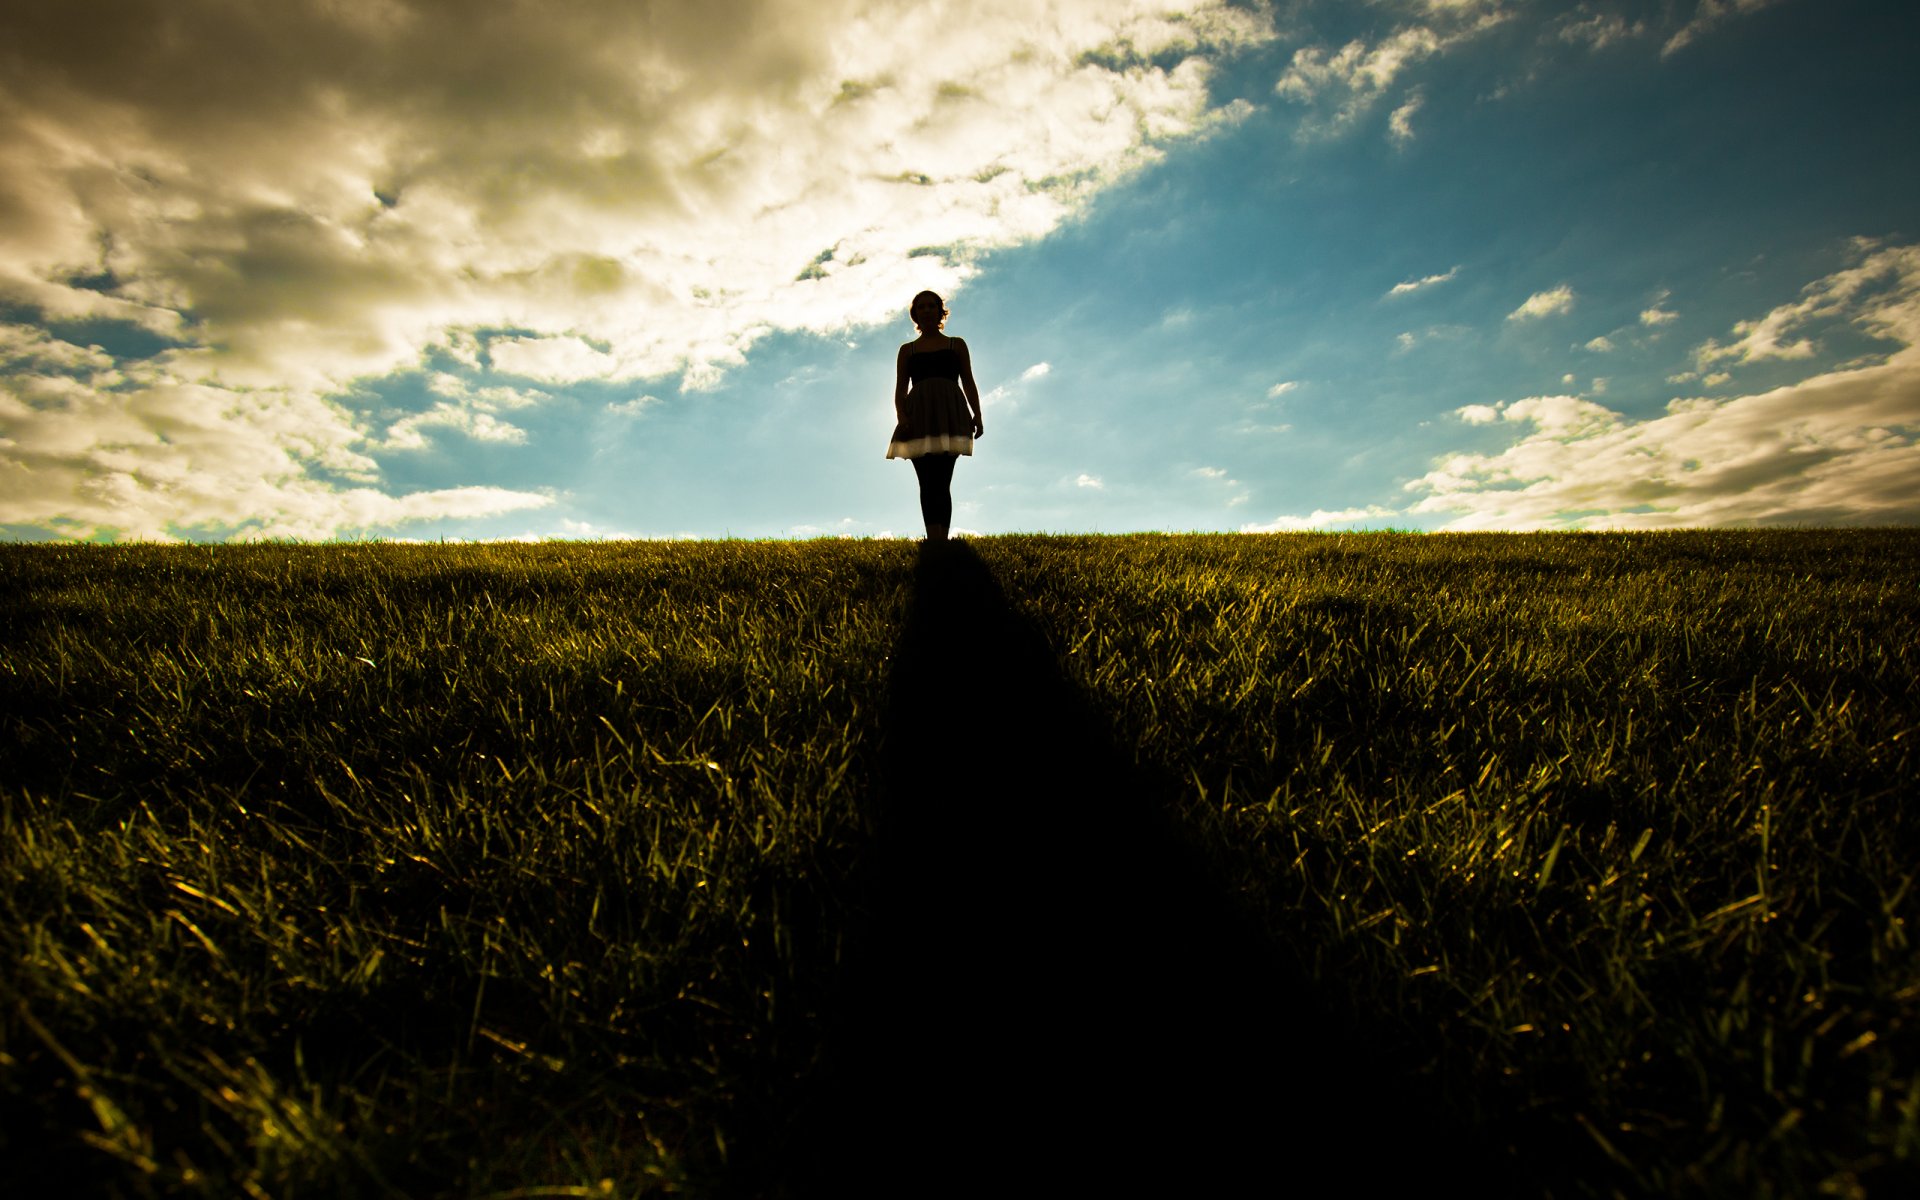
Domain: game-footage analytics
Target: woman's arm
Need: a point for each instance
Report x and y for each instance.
(900, 385)
(968, 387)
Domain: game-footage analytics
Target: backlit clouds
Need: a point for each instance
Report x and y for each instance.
(1421, 284)
(472, 412)
(1837, 447)
(1657, 314)
(552, 360)
(1320, 518)
(1342, 85)
(1598, 30)
(323, 192)
(266, 267)
(1544, 304)
(1707, 15)
(135, 454)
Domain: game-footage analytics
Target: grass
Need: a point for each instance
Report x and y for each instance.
(1615, 834)
(385, 870)
(525, 871)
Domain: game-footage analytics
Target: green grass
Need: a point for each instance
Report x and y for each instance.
(1615, 834)
(369, 870)
(512, 870)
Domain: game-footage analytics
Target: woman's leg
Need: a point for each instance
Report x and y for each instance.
(936, 498)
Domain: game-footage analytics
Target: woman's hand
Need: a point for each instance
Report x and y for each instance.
(979, 430)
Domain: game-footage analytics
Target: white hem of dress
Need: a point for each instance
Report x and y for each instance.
(942, 443)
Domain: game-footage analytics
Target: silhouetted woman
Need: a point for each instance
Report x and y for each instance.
(936, 406)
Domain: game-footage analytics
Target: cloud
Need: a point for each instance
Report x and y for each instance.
(1282, 388)
(1597, 31)
(1544, 304)
(1838, 447)
(1008, 397)
(1320, 518)
(1706, 16)
(632, 407)
(1220, 476)
(25, 348)
(552, 359)
(1657, 314)
(1400, 122)
(481, 426)
(1415, 285)
(1601, 345)
(158, 457)
(1478, 414)
(348, 188)
(1089, 481)
(1871, 294)
(1344, 85)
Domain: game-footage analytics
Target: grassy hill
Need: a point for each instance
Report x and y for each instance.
(1562, 863)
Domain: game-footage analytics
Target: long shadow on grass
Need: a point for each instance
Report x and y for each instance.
(1052, 992)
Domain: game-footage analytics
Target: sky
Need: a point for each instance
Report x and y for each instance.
(416, 269)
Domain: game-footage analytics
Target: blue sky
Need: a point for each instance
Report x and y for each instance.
(622, 270)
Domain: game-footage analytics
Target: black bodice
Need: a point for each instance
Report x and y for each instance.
(933, 364)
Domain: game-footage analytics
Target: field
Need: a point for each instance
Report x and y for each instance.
(1559, 864)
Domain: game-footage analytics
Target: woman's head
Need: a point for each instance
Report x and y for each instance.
(929, 311)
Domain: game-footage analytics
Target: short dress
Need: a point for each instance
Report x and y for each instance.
(937, 419)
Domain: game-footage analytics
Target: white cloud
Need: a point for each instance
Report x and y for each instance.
(1415, 285)
(1601, 345)
(1478, 414)
(552, 359)
(1400, 121)
(481, 426)
(1089, 481)
(1282, 388)
(1597, 31)
(1838, 447)
(1544, 304)
(633, 406)
(1320, 518)
(162, 457)
(22, 347)
(486, 399)
(1220, 476)
(1344, 85)
(1656, 314)
(347, 186)
(584, 171)
(1709, 14)
(1009, 397)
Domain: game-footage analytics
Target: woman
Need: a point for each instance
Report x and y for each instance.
(936, 407)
